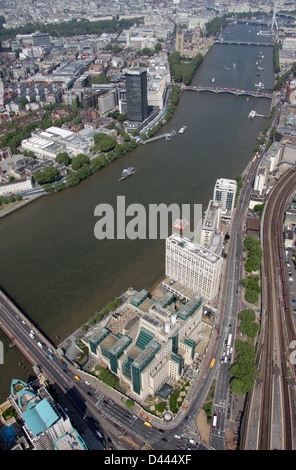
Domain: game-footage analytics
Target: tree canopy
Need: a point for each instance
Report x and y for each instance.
(48, 175)
(243, 371)
(182, 69)
(254, 249)
(104, 142)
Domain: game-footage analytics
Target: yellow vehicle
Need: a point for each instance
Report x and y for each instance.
(77, 378)
(148, 424)
(212, 363)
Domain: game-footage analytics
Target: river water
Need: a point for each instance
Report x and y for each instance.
(51, 263)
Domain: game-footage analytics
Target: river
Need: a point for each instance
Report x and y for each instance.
(51, 263)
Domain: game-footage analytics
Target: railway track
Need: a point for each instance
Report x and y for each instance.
(278, 330)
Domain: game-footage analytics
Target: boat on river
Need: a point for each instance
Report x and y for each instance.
(170, 135)
(126, 173)
(183, 129)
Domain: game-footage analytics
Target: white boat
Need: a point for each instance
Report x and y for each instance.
(183, 129)
(259, 85)
(213, 79)
(126, 173)
(170, 135)
(252, 114)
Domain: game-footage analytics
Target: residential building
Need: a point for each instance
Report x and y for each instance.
(42, 423)
(106, 102)
(224, 192)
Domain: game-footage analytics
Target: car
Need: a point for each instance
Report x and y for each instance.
(186, 418)
(177, 436)
(90, 394)
(86, 382)
(109, 440)
(164, 439)
(192, 441)
(161, 430)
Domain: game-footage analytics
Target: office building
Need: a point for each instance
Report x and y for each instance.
(224, 192)
(136, 94)
(194, 266)
(148, 342)
(211, 224)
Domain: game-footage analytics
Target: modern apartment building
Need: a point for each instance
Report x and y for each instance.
(224, 192)
(194, 266)
(136, 94)
(41, 423)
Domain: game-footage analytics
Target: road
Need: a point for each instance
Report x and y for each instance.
(230, 307)
(90, 407)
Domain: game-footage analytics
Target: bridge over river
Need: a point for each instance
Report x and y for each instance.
(242, 43)
(232, 91)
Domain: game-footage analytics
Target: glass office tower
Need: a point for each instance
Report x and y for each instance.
(136, 94)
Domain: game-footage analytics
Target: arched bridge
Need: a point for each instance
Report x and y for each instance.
(241, 43)
(232, 91)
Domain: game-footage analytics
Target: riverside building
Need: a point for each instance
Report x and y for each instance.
(41, 423)
(136, 94)
(149, 342)
(224, 192)
(195, 266)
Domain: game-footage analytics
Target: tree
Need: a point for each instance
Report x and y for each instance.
(59, 186)
(99, 162)
(72, 179)
(48, 188)
(243, 371)
(63, 157)
(49, 175)
(248, 325)
(84, 172)
(104, 142)
(79, 161)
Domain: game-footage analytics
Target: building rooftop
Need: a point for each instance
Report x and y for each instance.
(195, 248)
